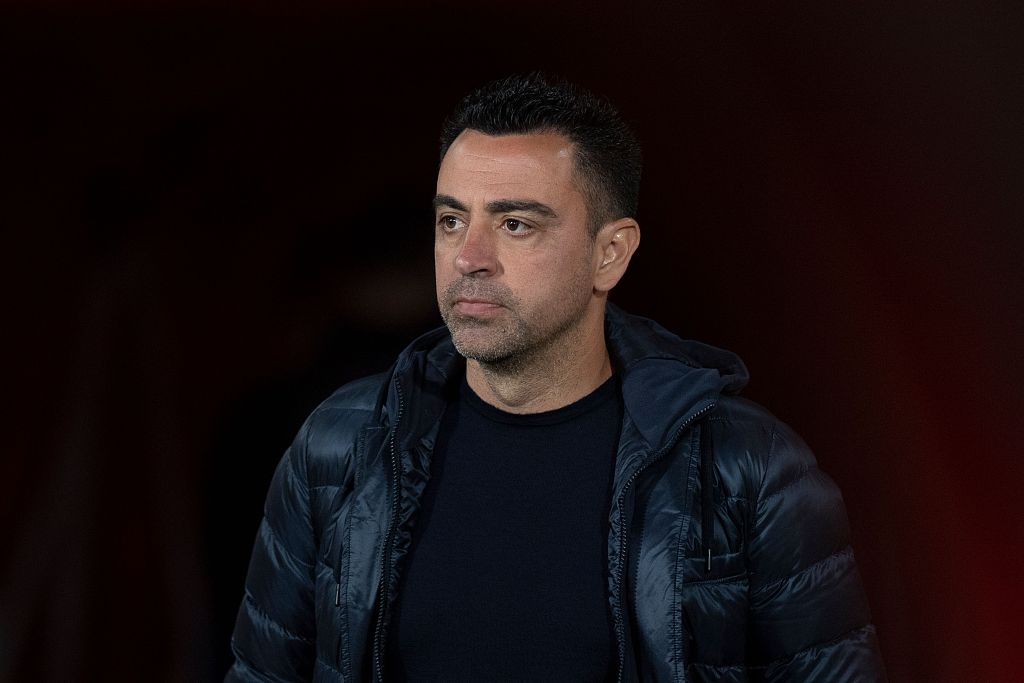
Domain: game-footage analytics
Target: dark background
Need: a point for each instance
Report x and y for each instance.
(213, 216)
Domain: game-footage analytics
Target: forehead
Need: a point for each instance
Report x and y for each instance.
(539, 165)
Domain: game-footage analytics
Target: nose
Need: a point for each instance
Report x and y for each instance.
(476, 255)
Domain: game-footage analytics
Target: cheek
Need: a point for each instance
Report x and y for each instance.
(441, 260)
(441, 276)
(573, 269)
(555, 282)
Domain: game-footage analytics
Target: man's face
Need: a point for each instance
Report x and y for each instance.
(513, 256)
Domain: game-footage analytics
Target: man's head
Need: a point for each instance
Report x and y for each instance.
(522, 272)
(607, 154)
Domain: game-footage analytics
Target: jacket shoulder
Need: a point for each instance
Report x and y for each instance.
(357, 395)
(756, 452)
(763, 460)
(331, 432)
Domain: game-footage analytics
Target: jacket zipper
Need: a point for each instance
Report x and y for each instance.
(385, 568)
(620, 628)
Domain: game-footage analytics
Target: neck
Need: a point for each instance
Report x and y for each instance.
(566, 370)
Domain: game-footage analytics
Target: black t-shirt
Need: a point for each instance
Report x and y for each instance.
(507, 574)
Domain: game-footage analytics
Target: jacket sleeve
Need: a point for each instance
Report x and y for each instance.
(275, 629)
(809, 617)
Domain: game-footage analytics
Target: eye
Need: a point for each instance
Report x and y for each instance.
(516, 226)
(449, 223)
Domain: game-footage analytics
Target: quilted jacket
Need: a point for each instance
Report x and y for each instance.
(729, 553)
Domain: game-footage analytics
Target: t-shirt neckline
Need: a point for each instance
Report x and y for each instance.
(605, 392)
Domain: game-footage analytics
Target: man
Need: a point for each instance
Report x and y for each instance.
(549, 488)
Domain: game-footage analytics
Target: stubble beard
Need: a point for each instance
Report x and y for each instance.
(509, 345)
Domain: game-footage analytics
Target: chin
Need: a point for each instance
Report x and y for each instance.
(475, 349)
(488, 341)
(479, 346)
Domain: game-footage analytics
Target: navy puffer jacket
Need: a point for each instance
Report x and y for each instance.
(728, 549)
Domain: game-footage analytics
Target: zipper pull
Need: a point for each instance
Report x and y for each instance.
(337, 596)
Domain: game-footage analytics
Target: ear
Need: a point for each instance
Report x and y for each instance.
(615, 244)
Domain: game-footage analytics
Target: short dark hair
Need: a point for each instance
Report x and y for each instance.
(608, 155)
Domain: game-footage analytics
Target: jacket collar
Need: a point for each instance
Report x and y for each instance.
(665, 380)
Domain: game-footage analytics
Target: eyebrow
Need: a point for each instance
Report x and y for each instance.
(446, 200)
(499, 206)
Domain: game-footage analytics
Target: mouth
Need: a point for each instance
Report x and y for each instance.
(475, 307)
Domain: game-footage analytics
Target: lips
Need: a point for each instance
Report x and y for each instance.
(473, 300)
(474, 306)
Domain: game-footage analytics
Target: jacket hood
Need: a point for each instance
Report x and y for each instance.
(665, 379)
